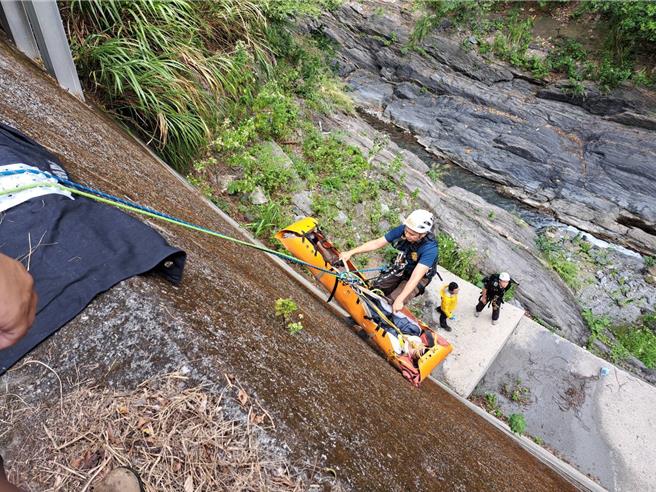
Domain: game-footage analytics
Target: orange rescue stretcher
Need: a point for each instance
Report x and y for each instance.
(305, 241)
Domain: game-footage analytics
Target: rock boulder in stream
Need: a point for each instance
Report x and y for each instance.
(589, 161)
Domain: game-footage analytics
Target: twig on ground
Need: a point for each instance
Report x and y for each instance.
(170, 433)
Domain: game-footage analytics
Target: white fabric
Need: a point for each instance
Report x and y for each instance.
(396, 344)
(17, 180)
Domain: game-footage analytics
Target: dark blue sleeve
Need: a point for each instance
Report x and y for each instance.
(394, 234)
(428, 254)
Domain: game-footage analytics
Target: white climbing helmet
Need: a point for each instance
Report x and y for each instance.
(504, 276)
(420, 221)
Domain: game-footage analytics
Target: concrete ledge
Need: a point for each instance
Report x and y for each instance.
(604, 425)
(476, 342)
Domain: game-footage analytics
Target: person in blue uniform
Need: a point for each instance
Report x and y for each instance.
(415, 264)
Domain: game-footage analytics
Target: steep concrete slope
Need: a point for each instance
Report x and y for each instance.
(331, 394)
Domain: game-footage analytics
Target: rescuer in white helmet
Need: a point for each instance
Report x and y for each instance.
(494, 288)
(415, 265)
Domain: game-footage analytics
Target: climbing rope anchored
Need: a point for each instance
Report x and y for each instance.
(67, 185)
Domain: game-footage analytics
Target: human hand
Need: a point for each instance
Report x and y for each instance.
(18, 306)
(397, 306)
(345, 256)
(484, 299)
(453, 317)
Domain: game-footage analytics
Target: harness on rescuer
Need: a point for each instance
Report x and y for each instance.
(408, 256)
(494, 291)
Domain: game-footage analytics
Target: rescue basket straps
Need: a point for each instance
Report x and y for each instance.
(362, 292)
(99, 196)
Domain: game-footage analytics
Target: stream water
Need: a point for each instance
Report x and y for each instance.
(453, 175)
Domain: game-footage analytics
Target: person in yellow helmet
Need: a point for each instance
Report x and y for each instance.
(449, 295)
(415, 264)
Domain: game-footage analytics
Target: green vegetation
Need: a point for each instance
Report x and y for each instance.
(650, 261)
(174, 71)
(435, 173)
(631, 33)
(557, 259)
(459, 261)
(157, 68)
(295, 327)
(491, 401)
(600, 330)
(640, 339)
(286, 308)
(516, 392)
(517, 423)
(491, 404)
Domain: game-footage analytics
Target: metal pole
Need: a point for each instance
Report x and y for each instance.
(18, 27)
(50, 36)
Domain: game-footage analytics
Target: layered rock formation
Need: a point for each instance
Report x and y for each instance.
(589, 161)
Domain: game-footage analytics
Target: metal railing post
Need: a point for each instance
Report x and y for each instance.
(37, 29)
(18, 27)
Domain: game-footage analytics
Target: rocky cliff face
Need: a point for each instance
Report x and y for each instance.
(589, 161)
(502, 242)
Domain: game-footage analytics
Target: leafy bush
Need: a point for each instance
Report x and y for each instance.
(285, 307)
(261, 168)
(566, 57)
(294, 327)
(517, 392)
(598, 326)
(631, 23)
(517, 423)
(491, 402)
(639, 340)
(275, 112)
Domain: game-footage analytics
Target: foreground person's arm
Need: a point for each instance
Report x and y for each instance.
(17, 301)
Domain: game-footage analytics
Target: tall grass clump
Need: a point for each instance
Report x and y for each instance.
(166, 68)
(458, 261)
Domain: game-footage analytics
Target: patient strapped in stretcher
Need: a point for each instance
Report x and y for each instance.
(415, 338)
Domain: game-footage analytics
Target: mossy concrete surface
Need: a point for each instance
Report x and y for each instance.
(590, 413)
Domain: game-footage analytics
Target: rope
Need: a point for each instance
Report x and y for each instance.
(362, 293)
(99, 196)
